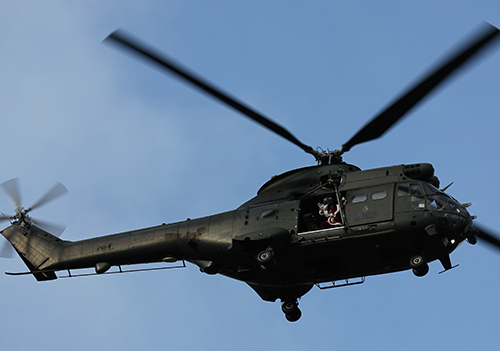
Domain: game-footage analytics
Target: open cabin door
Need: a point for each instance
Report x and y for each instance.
(319, 212)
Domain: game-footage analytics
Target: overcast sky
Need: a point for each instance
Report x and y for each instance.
(137, 148)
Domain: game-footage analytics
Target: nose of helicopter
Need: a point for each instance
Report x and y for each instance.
(453, 219)
(464, 228)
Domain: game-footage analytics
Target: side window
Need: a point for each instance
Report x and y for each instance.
(358, 198)
(379, 195)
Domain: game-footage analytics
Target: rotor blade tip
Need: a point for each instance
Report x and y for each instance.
(113, 36)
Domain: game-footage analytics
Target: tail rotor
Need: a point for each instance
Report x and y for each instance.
(21, 217)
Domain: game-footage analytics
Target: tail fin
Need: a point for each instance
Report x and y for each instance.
(36, 247)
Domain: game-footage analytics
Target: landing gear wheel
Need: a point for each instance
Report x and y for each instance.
(293, 317)
(422, 270)
(291, 311)
(420, 267)
(265, 258)
(289, 307)
(416, 261)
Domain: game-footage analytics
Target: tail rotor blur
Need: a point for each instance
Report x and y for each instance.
(21, 217)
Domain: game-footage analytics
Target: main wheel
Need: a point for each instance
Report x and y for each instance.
(294, 317)
(290, 307)
(420, 267)
(421, 270)
(417, 261)
(265, 257)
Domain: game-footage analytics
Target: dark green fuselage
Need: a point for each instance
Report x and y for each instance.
(389, 215)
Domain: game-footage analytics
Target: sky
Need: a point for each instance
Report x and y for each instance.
(136, 148)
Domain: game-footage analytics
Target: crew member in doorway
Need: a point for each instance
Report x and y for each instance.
(331, 211)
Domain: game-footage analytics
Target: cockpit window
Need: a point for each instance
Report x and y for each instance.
(416, 189)
(425, 196)
(417, 199)
(431, 189)
(417, 194)
(403, 189)
(442, 202)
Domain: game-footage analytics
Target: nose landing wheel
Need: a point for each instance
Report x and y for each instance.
(291, 310)
(420, 267)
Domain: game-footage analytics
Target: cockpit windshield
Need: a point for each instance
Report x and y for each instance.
(431, 189)
(426, 196)
(442, 202)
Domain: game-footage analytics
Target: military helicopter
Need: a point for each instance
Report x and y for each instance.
(326, 225)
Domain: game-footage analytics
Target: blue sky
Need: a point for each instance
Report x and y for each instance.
(136, 148)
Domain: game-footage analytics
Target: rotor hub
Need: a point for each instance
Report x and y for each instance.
(21, 217)
(329, 157)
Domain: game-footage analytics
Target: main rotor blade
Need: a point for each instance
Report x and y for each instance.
(4, 217)
(488, 237)
(11, 188)
(57, 190)
(155, 56)
(386, 119)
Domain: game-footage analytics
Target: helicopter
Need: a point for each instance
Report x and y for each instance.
(327, 225)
